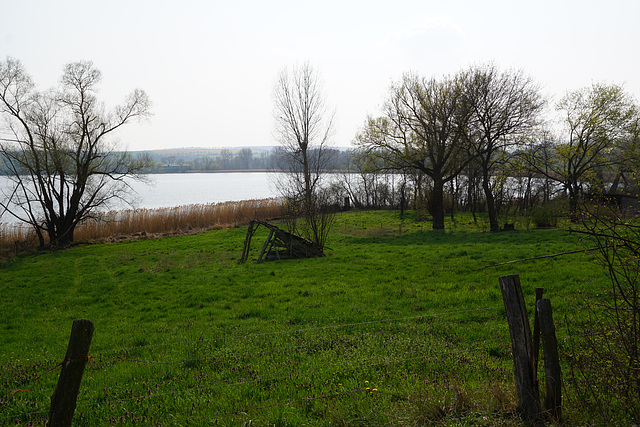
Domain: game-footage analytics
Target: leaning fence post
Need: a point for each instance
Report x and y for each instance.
(552, 372)
(522, 349)
(63, 401)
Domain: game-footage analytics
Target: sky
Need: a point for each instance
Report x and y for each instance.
(209, 67)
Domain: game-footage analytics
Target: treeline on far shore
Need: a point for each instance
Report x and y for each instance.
(185, 160)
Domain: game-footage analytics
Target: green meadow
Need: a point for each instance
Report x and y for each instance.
(397, 325)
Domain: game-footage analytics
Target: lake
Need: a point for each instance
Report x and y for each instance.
(169, 190)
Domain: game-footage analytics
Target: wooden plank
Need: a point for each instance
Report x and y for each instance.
(264, 247)
(247, 241)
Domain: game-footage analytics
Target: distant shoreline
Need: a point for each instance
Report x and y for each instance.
(232, 171)
(235, 171)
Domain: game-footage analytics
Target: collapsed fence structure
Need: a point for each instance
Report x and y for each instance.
(280, 244)
(317, 371)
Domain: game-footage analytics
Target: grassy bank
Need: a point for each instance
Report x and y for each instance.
(398, 325)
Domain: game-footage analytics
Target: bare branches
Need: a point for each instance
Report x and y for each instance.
(505, 107)
(60, 164)
(613, 335)
(15, 87)
(304, 127)
(301, 116)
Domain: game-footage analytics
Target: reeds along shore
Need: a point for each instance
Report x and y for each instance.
(117, 225)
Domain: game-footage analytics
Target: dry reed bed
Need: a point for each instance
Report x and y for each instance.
(117, 225)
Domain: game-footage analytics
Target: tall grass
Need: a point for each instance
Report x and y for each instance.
(15, 237)
(145, 222)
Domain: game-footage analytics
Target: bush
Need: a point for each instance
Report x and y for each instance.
(605, 357)
(548, 214)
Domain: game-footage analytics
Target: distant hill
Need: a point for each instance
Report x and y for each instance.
(189, 154)
(192, 153)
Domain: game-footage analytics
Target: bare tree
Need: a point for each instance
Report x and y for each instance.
(367, 182)
(423, 129)
(57, 153)
(505, 107)
(303, 127)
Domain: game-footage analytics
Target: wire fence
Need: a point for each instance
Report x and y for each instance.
(304, 371)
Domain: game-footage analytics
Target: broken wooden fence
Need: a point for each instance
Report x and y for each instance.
(280, 244)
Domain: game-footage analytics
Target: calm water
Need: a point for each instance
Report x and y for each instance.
(169, 190)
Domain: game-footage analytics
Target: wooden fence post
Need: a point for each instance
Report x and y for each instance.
(552, 372)
(63, 401)
(522, 349)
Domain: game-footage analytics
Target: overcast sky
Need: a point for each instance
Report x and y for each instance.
(209, 66)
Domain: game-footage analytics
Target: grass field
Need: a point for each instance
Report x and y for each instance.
(398, 325)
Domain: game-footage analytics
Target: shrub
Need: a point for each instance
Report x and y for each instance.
(548, 214)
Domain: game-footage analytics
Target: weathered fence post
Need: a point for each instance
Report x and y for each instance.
(553, 398)
(522, 349)
(63, 401)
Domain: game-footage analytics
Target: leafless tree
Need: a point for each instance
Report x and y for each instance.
(303, 126)
(505, 107)
(367, 182)
(55, 149)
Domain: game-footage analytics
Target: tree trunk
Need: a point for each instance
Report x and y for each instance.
(491, 204)
(61, 232)
(453, 200)
(471, 197)
(615, 183)
(402, 198)
(436, 204)
(573, 203)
